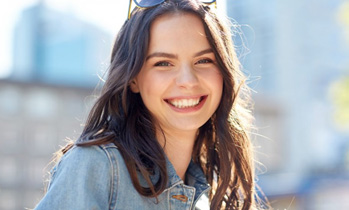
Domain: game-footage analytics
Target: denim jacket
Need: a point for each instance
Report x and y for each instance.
(96, 177)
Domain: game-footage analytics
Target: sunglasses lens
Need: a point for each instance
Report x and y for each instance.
(207, 1)
(148, 3)
(151, 3)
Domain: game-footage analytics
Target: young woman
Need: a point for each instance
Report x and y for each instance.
(170, 128)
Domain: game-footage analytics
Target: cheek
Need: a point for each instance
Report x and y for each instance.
(219, 86)
(215, 79)
(144, 81)
(216, 82)
(151, 86)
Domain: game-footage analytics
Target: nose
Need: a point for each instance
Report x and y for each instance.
(187, 77)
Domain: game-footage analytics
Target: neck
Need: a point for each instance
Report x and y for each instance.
(178, 147)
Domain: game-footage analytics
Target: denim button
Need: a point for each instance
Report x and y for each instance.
(182, 198)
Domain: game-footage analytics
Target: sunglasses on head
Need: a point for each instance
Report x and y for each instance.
(153, 3)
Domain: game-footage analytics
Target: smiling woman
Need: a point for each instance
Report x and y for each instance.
(180, 83)
(170, 128)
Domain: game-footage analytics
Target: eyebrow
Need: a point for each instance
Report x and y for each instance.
(169, 55)
(161, 54)
(203, 52)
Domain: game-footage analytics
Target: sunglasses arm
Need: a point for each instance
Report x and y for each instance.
(129, 10)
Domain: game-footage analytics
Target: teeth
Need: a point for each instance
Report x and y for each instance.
(184, 103)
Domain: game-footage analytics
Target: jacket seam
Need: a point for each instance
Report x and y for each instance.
(201, 194)
(192, 196)
(114, 174)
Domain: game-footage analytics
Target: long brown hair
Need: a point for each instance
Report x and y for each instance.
(222, 147)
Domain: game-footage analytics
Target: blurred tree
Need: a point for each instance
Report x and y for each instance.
(340, 89)
(340, 96)
(343, 17)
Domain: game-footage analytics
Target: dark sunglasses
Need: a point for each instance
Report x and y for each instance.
(153, 3)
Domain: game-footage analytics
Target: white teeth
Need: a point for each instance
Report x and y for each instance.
(184, 103)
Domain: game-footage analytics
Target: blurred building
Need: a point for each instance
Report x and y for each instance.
(296, 52)
(35, 120)
(57, 48)
(57, 61)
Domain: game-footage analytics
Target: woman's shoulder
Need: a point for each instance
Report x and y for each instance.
(80, 159)
(85, 177)
(90, 153)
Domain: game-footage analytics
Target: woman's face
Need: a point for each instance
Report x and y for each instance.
(180, 83)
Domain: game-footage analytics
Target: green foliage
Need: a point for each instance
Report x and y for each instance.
(340, 97)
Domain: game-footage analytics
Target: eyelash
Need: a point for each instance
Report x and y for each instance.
(206, 60)
(162, 63)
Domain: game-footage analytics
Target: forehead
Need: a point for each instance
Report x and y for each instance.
(181, 29)
(179, 19)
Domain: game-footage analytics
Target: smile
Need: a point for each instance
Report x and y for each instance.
(185, 102)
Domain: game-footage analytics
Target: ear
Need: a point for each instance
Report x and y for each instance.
(134, 86)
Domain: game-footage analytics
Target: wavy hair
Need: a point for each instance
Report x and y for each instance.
(222, 147)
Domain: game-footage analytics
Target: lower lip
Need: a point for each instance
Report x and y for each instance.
(189, 109)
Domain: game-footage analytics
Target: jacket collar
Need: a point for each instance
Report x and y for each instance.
(194, 176)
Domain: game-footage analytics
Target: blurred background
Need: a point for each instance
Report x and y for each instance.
(295, 53)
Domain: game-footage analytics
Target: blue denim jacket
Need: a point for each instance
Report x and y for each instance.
(96, 177)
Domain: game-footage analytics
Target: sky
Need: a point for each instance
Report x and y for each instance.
(107, 14)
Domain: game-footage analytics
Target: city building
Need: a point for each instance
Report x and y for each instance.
(58, 61)
(35, 120)
(56, 47)
(293, 51)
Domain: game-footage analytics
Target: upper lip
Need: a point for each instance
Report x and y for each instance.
(184, 97)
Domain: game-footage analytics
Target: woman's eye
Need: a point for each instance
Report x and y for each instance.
(202, 61)
(162, 63)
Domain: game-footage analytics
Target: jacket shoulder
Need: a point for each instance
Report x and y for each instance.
(85, 178)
